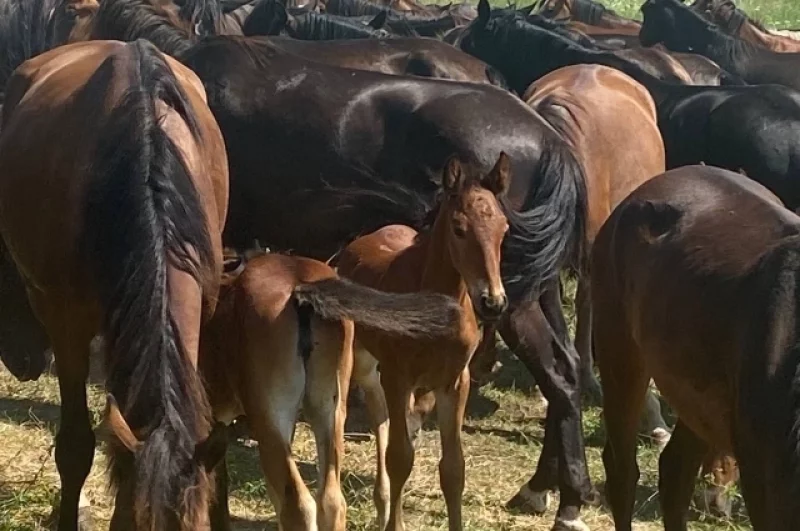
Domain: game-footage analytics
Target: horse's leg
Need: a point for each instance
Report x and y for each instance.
(450, 412)
(583, 343)
(724, 471)
(400, 452)
(625, 380)
(365, 374)
(677, 471)
(219, 511)
(75, 440)
(327, 385)
(538, 333)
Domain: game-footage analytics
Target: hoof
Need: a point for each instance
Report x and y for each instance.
(528, 501)
(570, 525)
(661, 437)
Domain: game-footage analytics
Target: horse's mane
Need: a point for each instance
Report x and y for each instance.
(589, 11)
(128, 20)
(203, 14)
(320, 26)
(25, 31)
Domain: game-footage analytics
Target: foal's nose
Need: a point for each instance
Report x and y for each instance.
(492, 306)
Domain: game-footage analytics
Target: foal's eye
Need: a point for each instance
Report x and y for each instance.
(459, 232)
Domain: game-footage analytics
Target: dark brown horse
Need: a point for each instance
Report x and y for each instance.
(282, 339)
(291, 145)
(457, 255)
(706, 304)
(682, 29)
(735, 22)
(116, 230)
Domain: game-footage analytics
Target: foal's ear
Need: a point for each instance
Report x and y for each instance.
(484, 11)
(498, 179)
(118, 426)
(453, 176)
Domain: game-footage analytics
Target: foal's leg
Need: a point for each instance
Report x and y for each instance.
(327, 384)
(400, 452)
(275, 379)
(677, 472)
(547, 353)
(219, 511)
(365, 374)
(450, 412)
(75, 440)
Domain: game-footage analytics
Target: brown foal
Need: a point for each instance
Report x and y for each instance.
(282, 338)
(459, 255)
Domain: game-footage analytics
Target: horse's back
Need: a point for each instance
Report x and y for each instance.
(604, 110)
(671, 272)
(368, 258)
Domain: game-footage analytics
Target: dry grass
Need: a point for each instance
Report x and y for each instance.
(503, 439)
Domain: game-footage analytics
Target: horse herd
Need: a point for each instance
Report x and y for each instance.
(427, 173)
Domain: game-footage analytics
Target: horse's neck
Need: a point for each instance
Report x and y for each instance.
(438, 273)
(751, 33)
(730, 53)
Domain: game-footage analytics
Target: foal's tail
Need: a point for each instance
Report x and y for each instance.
(415, 315)
(144, 218)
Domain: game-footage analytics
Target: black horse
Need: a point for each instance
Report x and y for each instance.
(682, 29)
(271, 17)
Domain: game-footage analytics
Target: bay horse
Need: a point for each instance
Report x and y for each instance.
(117, 231)
(457, 255)
(706, 305)
(589, 12)
(289, 143)
(735, 22)
(281, 340)
(682, 29)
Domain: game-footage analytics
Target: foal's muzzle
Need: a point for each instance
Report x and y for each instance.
(491, 307)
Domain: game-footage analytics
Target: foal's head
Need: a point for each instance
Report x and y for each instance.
(474, 227)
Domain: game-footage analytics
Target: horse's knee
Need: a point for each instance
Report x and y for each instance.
(451, 472)
(75, 451)
(332, 510)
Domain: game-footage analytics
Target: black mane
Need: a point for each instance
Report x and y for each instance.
(129, 20)
(25, 31)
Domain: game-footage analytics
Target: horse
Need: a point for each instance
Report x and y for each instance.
(750, 129)
(523, 52)
(705, 304)
(270, 17)
(116, 230)
(457, 255)
(276, 119)
(281, 339)
(735, 22)
(591, 13)
(681, 29)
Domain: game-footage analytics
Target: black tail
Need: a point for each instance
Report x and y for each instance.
(417, 315)
(548, 232)
(143, 216)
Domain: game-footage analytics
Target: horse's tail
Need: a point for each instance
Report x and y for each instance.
(143, 218)
(416, 315)
(548, 233)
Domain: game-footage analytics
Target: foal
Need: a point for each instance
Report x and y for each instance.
(282, 338)
(459, 255)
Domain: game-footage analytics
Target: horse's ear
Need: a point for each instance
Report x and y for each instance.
(379, 21)
(453, 176)
(484, 12)
(498, 179)
(118, 426)
(211, 451)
